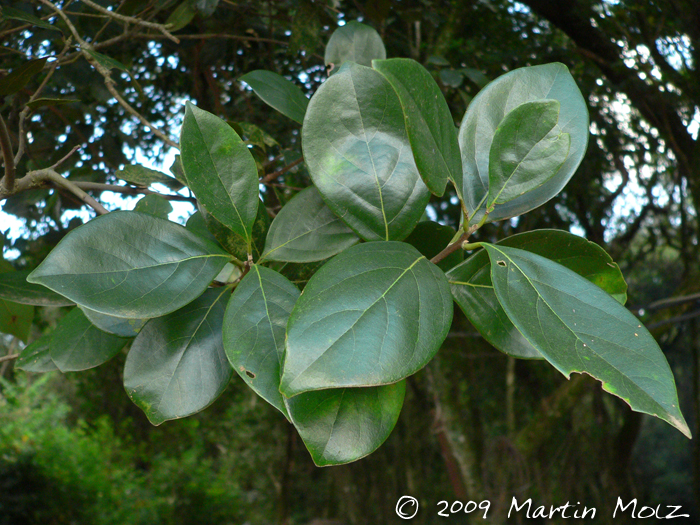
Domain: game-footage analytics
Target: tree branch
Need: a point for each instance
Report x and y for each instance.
(131, 20)
(272, 176)
(130, 190)
(8, 357)
(8, 179)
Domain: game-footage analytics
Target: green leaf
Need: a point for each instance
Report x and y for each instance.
(430, 238)
(528, 149)
(177, 365)
(16, 319)
(20, 76)
(475, 76)
(181, 16)
(15, 14)
(119, 326)
(14, 287)
(36, 356)
(198, 226)
(78, 345)
(306, 230)
(142, 176)
(220, 170)
(206, 7)
(131, 264)
(41, 102)
(429, 123)
(256, 136)
(254, 331)
(178, 172)
(343, 425)
(154, 205)
(579, 328)
(485, 113)
(373, 315)
(234, 243)
(473, 291)
(355, 146)
(278, 92)
(354, 42)
(107, 62)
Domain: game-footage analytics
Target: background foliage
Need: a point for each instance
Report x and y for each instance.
(496, 427)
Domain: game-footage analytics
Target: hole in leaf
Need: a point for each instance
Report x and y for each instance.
(501, 263)
(250, 374)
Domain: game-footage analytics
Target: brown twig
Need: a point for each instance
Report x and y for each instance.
(8, 357)
(272, 176)
(130, 190)
(451, 248)
(131, 20)
(9, 178)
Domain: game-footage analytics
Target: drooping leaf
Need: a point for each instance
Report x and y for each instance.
(528, 149)
(254, 331)
(142, 176)
(354, 42)
(343, 425)
(473, 291)
(20, 76)
(429, 123)
(220, 170)
(22, 16)
(306, 230)
(119, 326)
(278, 92)
(154, 205)
(355, 146)
(36, 357)
(181, 16)
(131, 264)
(485, 113)
(78, 345)
(579, 328)
(107, 61)
(372, 315)
(430, 238)
(14, 287)
(177, 365)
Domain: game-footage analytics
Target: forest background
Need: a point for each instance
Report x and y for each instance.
(476, 424)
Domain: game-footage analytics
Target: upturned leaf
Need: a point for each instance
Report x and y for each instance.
(36, 356)
(14, 287)
(120, 326)
(486, 112)
(177, 365)
(154, 205)
(343, 425)
(429, 124)
(528, 149)
(372, 315)
(220, 170)
(131, 264)
(579, 328)
(306, 230)
(142, 176)
(77, 344)
(357, 151)
(354, 42)
(473, 291)
(279, 93)
(254, 331)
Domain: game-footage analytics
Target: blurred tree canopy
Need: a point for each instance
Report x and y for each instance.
(518, 429)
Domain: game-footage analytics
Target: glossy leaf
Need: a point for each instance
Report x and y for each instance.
(220, 170)
(120, 326)
(14, 287)
(36, 357)
(234, 243)
(473, 291)
(78, 345)
(131, 264)
(343, 425)
(355, 146)
(154, 205)
(485, 113)
(373, 315)
(142, 176)
(430, 238)
(354, 42)
(429, 123)
(528, 149)
(254, 330)
(279, 93)
(306, 230)
(20, 76)
(176, 365)
(579, 328)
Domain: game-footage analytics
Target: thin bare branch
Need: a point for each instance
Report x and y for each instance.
(272, 176)
(131, 190)
(9, 357)
(132, 20)
(8, 179)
